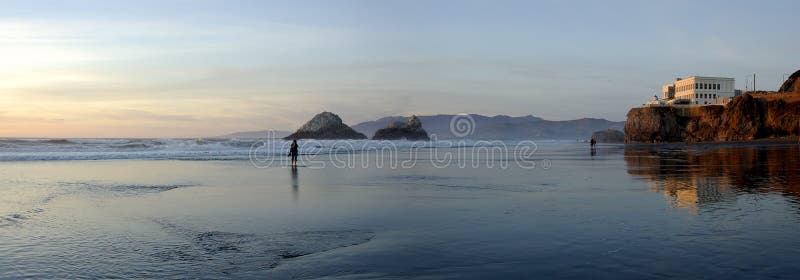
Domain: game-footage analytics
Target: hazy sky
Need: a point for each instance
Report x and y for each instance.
(202, 68)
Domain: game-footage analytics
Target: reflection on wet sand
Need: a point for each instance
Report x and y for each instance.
(295, 184)
(704, 175)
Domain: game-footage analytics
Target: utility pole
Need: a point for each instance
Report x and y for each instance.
(754, 82)
(746, 83)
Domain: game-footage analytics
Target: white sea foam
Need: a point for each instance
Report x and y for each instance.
(196, 149)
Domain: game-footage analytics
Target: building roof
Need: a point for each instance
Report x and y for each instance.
(707, 77)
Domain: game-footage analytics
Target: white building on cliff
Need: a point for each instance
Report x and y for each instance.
(699, 90)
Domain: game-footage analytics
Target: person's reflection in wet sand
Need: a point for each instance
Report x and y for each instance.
(295, 184)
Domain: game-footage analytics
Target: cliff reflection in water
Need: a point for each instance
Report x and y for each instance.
(701, 176)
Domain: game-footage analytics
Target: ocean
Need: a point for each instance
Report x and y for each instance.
(200, 208)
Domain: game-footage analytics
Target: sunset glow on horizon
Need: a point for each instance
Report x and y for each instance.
(206, 68)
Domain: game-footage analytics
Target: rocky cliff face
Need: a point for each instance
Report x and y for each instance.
(609, 136)
(411, 130)
(746, 117)
(792, 84)
(325, 125)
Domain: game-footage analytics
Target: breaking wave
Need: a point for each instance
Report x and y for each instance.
(187, 149)
(231, 252)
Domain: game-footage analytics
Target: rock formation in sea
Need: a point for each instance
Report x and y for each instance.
(410, 130)
(609, 136)
(747, 117)
(326, 125)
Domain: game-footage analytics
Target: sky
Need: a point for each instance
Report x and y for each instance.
(205, 68)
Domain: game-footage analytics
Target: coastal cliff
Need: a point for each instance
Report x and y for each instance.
(745, 118)
(792, 84)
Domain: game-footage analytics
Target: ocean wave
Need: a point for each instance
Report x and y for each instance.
(122, 188)
(198, 149)
(12, 219)
(58, 141)
(248, 252)
(17, 216)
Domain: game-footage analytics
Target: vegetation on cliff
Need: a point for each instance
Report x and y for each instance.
(747, 117)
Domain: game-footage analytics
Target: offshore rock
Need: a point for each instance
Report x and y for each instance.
(410, 130)
(609, 136)
(326, 125)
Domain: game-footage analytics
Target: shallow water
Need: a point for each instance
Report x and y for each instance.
(646, 212)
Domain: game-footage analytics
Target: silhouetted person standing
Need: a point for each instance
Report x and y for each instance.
(293, 152)
(592, 143)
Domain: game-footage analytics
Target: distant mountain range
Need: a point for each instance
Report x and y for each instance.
(498, 127)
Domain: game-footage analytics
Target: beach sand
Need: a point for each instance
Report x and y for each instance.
(676, 212)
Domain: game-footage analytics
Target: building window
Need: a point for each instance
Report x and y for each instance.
(696, 86)
(696, 95)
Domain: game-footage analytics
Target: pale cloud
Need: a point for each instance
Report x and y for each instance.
(195, 78)
(165, 70)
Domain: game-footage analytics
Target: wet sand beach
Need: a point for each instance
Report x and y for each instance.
(622, 213)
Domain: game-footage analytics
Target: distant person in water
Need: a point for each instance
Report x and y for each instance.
(293, 152)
